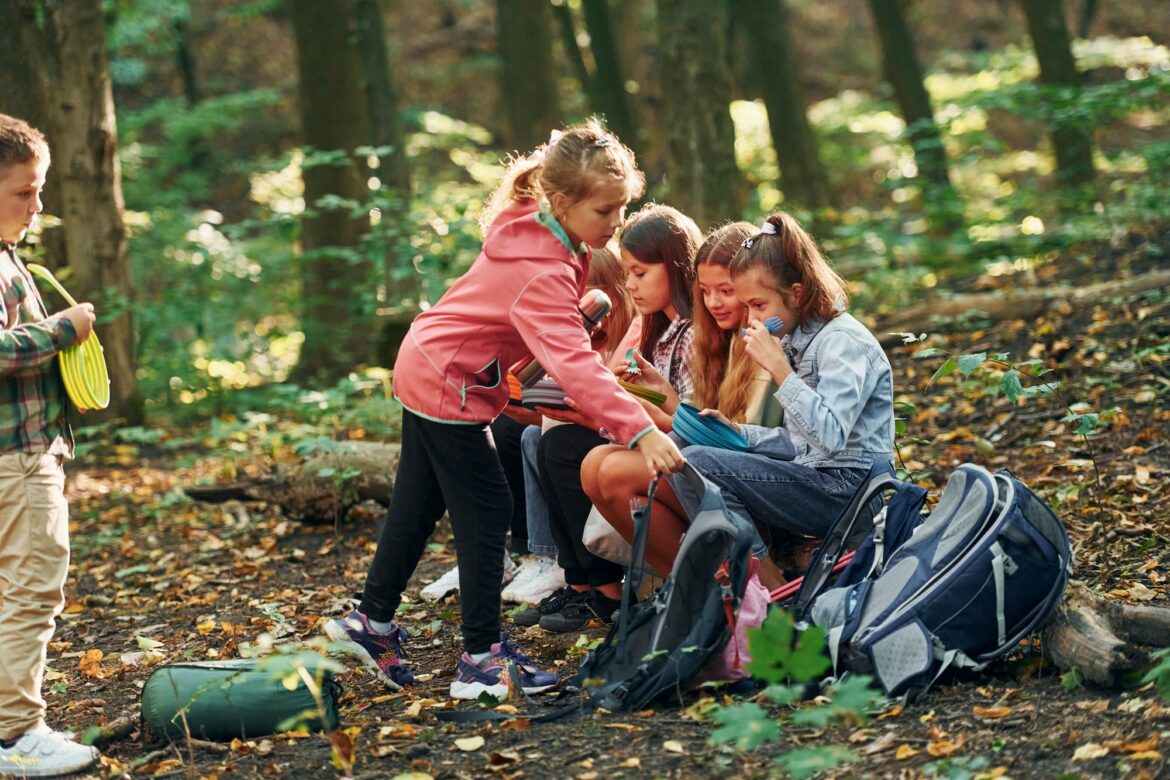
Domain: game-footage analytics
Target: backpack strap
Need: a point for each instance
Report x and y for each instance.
(637, 570)
(881, 477)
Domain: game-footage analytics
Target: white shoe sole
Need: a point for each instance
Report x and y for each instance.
(472, 691)
(335, 631)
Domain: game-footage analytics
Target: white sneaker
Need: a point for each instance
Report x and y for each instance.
(42, 752)
(538, 576)
(449, 582)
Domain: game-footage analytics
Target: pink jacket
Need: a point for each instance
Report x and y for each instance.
(519, 298)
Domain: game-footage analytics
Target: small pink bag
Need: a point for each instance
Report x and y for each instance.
(730, 664)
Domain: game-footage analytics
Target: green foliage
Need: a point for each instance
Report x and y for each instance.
(780, 657)
(1160, 673)
(776, 657)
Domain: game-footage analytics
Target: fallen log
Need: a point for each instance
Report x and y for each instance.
(1107, 642)
(1011, 303)
(322, 486)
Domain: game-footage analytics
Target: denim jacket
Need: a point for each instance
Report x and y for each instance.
(838, 403)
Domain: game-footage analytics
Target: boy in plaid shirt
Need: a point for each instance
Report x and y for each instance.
(34, 442)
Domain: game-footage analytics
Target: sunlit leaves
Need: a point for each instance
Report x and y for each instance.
(776, 657)
(806, 762)
(747, 725)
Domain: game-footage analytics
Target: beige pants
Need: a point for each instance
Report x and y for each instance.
(34, 559)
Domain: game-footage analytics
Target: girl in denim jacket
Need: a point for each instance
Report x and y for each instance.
(834, 386)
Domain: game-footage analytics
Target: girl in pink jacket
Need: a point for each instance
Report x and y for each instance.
(519, 298)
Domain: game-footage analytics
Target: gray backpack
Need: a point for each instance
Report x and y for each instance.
(978, 575)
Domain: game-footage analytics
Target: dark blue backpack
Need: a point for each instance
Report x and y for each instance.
(960, 590)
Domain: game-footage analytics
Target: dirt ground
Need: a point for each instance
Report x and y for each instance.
(158, 578)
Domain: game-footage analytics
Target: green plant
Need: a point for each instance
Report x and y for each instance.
(788, 661)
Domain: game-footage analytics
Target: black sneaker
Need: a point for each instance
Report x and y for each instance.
(573, 617)
(553, 602)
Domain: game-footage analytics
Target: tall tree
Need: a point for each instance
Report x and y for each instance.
(1072, 139)
(61, 83)
(696, 85)
(386, 132)
(336, 275)
(612, 99)
(528, 74)
(766, 33)
(904, 74)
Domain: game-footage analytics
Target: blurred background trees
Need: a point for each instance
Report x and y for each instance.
(298, 178)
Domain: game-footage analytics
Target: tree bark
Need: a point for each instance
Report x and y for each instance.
(701, 172)
(1072, 139)
(529, 73)
(612, 99)
(61, 47)
(904, 74)
(386, 131)
(338, 278)
(767, 37)
(568, 29)
(322, 486)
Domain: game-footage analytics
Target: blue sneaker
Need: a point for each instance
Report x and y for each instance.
(493, 674)
(381, 652)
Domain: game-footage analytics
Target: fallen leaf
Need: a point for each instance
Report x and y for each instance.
(1141, 593)
(944, 748)
(1146, 755)
(1097, 705)
(633, 762)
(343, 750)
(991, 713)
(469, 744)
(884, 742)
(673, 746)
(206, 627)
(91, 664)
(892, 712)
(1089, 751)
(503, 758)
(904, 752)
(507, 709)
(146, 643)
(1133, 747)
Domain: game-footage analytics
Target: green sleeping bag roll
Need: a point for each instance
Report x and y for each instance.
(245, 698)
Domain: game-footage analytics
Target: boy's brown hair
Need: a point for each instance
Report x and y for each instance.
(20, 142)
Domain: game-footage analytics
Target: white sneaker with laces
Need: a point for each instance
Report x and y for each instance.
(43, 752)
(449, 582)
(538, 576)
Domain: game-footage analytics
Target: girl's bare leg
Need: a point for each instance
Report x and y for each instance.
(622, 478)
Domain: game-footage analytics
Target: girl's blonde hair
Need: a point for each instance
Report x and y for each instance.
(606, 274)
(661, 235)
(575, 162)
(792, 257)
(723, 372)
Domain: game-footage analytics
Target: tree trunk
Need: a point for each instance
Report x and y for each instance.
(529, 73)
(701, 174)
(393, 170)
(612, 99)
(62, 48)
(1072, 140)
(766, 34)
(568, 29)
(338, 279)
(904, 74)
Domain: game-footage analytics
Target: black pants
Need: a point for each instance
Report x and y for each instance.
(453, 468)
(560, 454)
(507, 432)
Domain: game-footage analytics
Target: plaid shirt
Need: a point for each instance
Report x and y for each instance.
(33, 402)
(672, 357)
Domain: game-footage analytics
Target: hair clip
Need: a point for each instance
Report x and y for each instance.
(600, 142)
(769, 229)
(747, 243)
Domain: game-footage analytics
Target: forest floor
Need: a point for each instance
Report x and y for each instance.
(159, 578)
